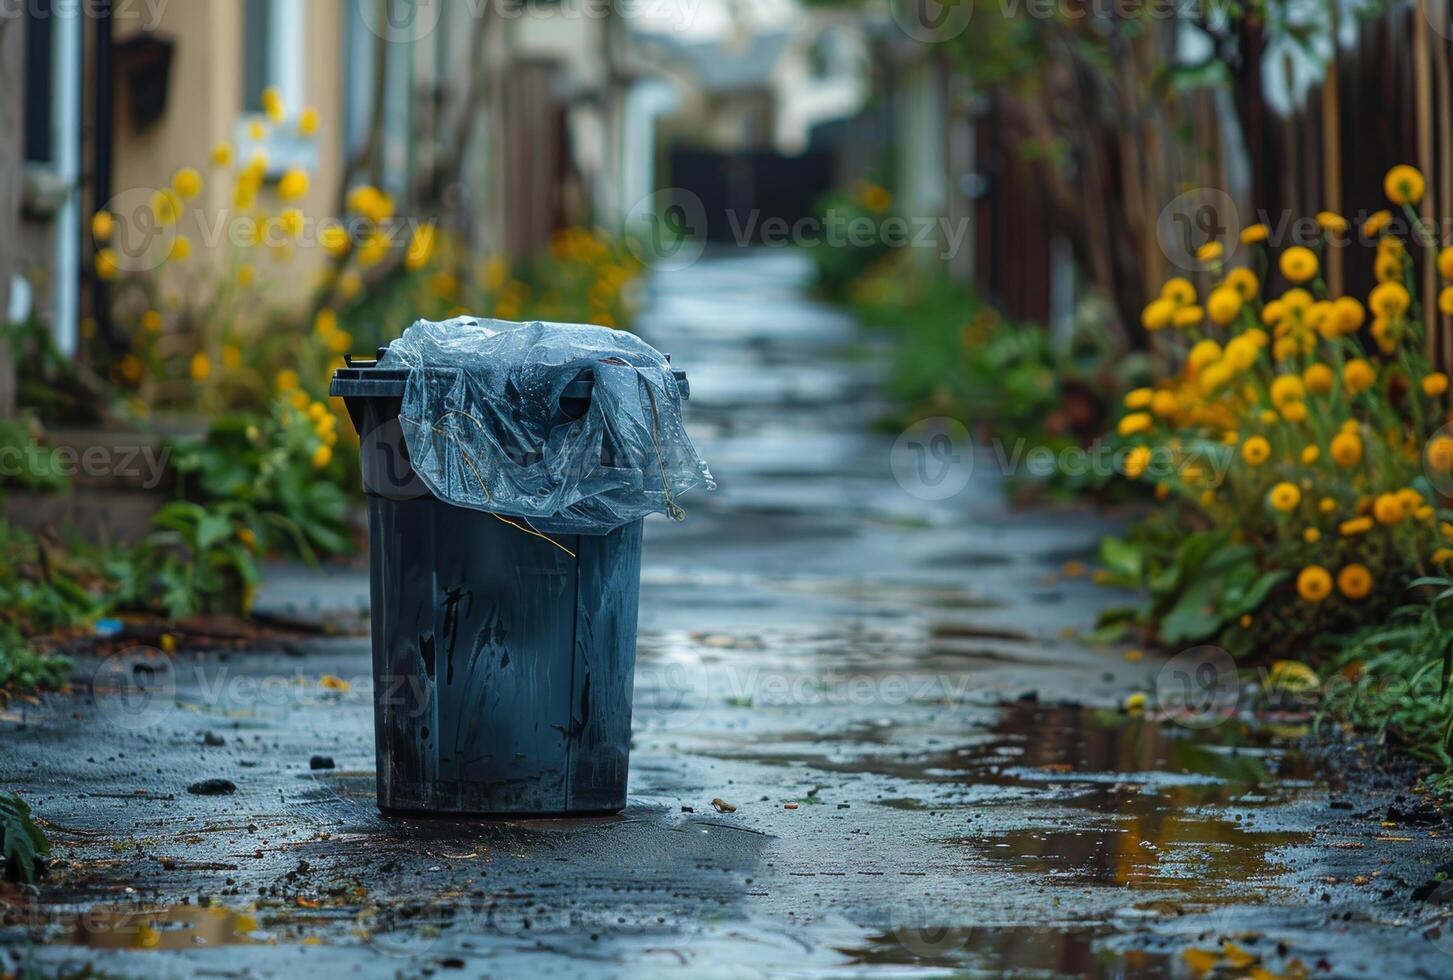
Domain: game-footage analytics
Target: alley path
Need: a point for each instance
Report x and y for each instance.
(922, 769)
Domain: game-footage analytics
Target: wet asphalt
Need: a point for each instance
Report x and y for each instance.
(860, 652)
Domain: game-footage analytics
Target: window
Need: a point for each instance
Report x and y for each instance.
(273, 43)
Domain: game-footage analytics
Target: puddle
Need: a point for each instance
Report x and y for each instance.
(1017, 951)
(173, 927)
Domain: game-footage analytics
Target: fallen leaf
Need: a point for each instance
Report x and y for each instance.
(722, 806)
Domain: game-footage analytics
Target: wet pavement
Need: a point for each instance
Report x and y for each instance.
(921, 770)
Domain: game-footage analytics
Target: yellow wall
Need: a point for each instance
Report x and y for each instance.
(204, 104)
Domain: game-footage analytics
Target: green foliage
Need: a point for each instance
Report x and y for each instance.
(22, 843)
(263, 473)
(1195, 583)
(1012, 383)
(193, 561)
(852, 241)
(1399, 673)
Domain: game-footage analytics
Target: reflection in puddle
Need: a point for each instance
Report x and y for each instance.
(175, 927)
(1019, 951)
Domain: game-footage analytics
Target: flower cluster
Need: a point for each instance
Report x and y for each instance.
(1307, 422)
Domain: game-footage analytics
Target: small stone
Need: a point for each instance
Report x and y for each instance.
(722, 806)
(321, 762)
(213, 740)
(213, 787)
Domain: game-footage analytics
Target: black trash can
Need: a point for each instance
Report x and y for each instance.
(503, 658)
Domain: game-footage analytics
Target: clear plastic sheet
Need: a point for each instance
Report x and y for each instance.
(486, 425)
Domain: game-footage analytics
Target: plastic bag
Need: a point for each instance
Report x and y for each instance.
(493, 421)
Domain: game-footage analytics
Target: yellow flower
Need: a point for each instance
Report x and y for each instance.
(876, 198)
(1203, 354)
(1255, 451)
(107, 264)
(1217, 376)
(1314, 583)
(308, 121)
(247, 536)
(1331, 221)
(103, 226)
(1358, 375)
(1294, 412)
(181, 249)
(1442, 556)
(1311, 535)
(1310, 454)
(293, 185)
(272, 103)
(287, 379)
(1387, 267)
(1223, 305)
(1376, 222)
(1348, 314)
(1445, 301)
(1252, 234)
(245, 275)
(1188, 316)
(291, 222)
(201, 367)
(1403, 185)
(421, 248)
(1241, 352)
(1346, 449)
(1318, 378)
(231, 356)
(1179, 291)
(1163, 404)
(187, 183)
(340, 341)
(1285, 496)
(326, 322)
(1257, 336)
(1135, 703)
(373, 251)
(1136, 461)
(222, 155)
(1157, 314)
(349, 285)
(1440, 452)
(151, 321)
(1357, 525)
(1387, 508)
(1298, 263)
(371, 202)
(1287, 388)
(1355, 581)
(166, 206)
(1387, 333)
(1210, 252)
(1273, 312)
(1435, 384)
(1244, 282)
(1134, 423)
(334, 239)
(1445, 262)
(322, 456)
(1139, 398)
(1326, 505)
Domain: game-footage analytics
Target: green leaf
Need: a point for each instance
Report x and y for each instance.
(22, 843)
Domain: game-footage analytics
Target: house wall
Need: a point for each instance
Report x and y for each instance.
(205, 99)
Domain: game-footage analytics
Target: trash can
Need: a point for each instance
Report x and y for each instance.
(503, 656)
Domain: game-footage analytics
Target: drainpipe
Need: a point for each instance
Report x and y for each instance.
(101, 175)
(67, 88)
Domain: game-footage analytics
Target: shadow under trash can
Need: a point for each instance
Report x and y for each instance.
(507, 468)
